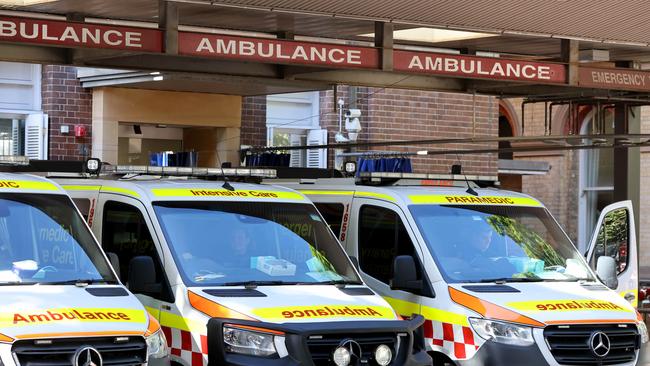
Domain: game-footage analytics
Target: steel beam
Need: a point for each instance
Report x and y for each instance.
(384, 41)
(168, 22)
(627, 162)
(570, 54)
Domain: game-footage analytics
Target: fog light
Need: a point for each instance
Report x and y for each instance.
(383, 355)
(341, 357)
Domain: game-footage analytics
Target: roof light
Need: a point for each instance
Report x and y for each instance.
(188, 171)
(14, 160)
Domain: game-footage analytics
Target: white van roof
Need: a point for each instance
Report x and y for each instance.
(27, 183)
(174, 189)
(416, 194)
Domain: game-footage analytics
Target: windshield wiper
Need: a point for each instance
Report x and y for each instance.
(502, 280)
(332, 282)
(255, 284)
(18, 283)
(82, 282)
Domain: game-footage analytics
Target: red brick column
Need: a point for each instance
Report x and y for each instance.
(66, 102)
(253, 121)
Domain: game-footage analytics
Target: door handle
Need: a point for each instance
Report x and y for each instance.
(629, 296)
(165, 307)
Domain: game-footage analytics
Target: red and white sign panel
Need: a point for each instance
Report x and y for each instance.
(478, 67)
(618, 79)
(70, 34)
(277, 51)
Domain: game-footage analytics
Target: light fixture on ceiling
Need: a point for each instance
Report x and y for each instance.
(24, 2)
(433, 35)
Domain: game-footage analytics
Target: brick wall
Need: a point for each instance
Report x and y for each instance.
(253, 121)
(67, 103)
(398, 114)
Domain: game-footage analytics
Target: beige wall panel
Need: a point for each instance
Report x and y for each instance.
(176, 108)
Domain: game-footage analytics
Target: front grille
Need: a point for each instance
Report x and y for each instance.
(569, 344)
(127, 351)
(322, 347)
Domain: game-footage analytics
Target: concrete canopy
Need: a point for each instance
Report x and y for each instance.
(528, 30)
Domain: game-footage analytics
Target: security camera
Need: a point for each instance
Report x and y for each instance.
(353, 113)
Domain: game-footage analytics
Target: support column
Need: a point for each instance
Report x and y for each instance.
(571, 56)
(105, 134)
(627, 161)
(168, 22)
(384, 41)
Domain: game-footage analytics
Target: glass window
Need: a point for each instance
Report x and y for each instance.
(44, 240)
(12, 136)
(83, 204)
(490, 243)
(333, 214)
(382, 237)
(612, 239)
(125, 233)
(232, 243)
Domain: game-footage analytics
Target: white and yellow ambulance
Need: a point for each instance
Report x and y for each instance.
(497, 279)
(62, 303)
(241, 273)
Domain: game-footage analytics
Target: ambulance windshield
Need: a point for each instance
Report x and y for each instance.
(43, 240)
(236, 243)
(498, 243)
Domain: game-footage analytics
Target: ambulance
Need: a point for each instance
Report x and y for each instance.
(239, 273)
(497, 279)
(62, 304)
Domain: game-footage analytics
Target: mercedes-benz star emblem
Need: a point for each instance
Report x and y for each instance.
(87, 356)
(353, 347)
(600, 344)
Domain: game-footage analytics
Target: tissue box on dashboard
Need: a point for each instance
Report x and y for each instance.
(527, 265)
(274, 267)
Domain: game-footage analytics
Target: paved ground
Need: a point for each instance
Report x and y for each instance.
(645, 357)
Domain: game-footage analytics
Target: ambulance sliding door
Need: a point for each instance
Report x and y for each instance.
(126, 231)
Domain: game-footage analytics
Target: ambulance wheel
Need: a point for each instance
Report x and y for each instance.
(440, 359)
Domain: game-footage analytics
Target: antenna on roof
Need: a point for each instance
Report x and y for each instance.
(457, 169)
(226, 185)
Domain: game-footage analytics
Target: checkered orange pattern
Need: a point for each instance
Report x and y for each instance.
(452, 339)
(181, 344)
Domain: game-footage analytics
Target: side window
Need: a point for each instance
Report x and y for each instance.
(612, 239)
(333, 214)
(382, 237)
(83, 204)
(125, 233)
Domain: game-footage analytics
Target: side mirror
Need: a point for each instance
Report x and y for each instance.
(355, 262)
(606, 270)
(404, 274)
(142, 276)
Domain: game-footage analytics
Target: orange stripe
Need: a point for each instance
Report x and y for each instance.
(214, 310)
(5, 339)
(78, 334)
(639, 317)
(490, 310)
(153, 326)
(590, 321)
(255, 329)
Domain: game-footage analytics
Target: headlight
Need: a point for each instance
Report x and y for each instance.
(254, 342)
(643, 331)
(499, 332)
(157, 345)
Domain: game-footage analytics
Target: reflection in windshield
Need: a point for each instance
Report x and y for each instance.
(498, 243)
(238, 243)
(44, 240)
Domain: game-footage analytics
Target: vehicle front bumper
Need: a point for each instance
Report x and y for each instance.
(411, 350)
